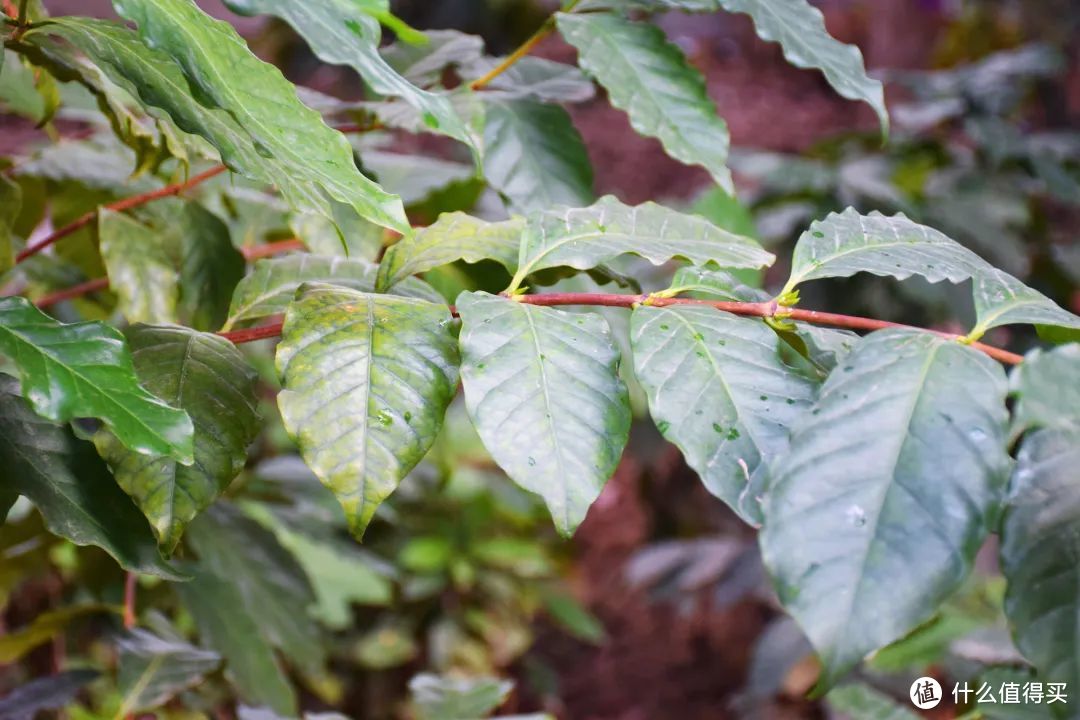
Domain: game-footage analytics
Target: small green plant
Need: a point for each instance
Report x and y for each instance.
(874, 466)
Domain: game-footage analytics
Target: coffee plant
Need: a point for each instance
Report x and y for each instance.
(219, 249)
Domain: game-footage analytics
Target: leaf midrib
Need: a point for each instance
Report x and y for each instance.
(549, 415)
(928, 363)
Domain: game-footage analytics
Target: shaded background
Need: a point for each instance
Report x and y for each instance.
(691, 632)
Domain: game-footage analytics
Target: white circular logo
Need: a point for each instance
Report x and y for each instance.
(925, 693)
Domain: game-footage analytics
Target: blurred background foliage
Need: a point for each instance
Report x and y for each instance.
(658, 608)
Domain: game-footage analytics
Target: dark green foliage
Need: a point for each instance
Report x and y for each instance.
(874, 466)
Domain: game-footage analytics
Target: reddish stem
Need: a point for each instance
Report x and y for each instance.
(253, 252)
(137, 200)
(10, 10)
(261, 332)
(762, 310)
(130, 585)
(765, 309)
(118, 206)
(258, 252)
(90, 286)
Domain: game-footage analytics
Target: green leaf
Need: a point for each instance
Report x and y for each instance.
(416, 178)
(71, 487)
(263, 110)
(649, 78)
(367, 380)
(438, 698)
(799, 28)
(226, 623)
(14, 645)
(270, 288)
(534, 78)
(1047, 387)
(425, 63)
(159, 83)
(10, 205)
(825, 347)
(18, 93)
(890, 486)
(340, 577)
(847, 243)
(386, 646)
(98, 163)
(534, 156)
(48, 693)
(862, 702)
(542, 389)
(153, 140)
(141, 269)
(346, 235)
(1038, 550)
(211, 54)
(714, 283)
(210, 267)
(583, 238)
(341, 33)
(84, 370)
(152, 670)
(574, 617)
(718, 390)
(454, 236)
(274, 590)
(208, 377)
(1001, 299)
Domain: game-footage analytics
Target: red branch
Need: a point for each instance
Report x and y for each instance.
(90, 286)
(130, 586)
(258, 252)
(118, 206)
(262, 332)
(250, 253)
(10, 10)
(762, 310)
(137, 200)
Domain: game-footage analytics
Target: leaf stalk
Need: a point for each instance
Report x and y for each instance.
(526, 47)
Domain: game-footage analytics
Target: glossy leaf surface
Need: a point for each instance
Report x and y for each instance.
(206, 376)
(719, 391)
(367, 380)
(1047, 388)
(454, 236)
(265, 105)
(875, 514)
(542, 389)
(71, 487)
(1038, 551)
(847, 243)
(1001, 299)
(142, 270)
(583, 238)
(535, 157)
(271, 286)
(649, 78)
(84, 370)
(246, 146)
(341, 33)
